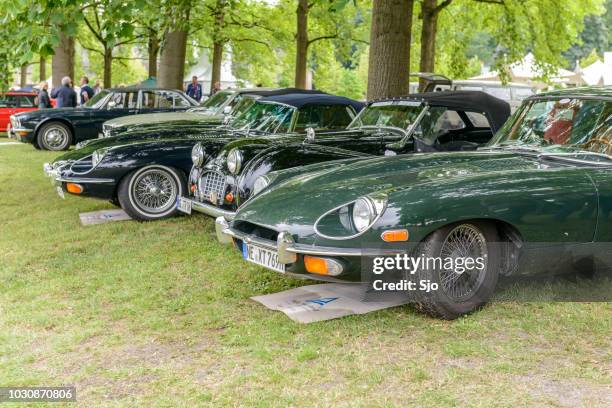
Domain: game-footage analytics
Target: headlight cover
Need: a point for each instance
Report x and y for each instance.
(261, 183)
(352, 219)
(197, 155)
(234, 161)
(97, 156)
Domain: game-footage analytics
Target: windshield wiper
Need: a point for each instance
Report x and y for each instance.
(512, 148)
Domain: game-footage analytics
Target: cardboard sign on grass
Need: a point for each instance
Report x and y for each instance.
(327, 301)
(103, 216)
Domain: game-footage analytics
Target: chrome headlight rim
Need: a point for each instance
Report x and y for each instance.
(377, 202)
(363, 213)
(234, 161)
(97, 156)
(261, 183)
(197, 155)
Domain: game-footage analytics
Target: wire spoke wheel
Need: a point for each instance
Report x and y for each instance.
(463, 242)
(155, 191)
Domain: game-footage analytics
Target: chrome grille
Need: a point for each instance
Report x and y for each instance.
(212, 186)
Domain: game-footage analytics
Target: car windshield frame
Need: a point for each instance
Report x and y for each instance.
(357, 122)
(519, 133)
(99, 100)
(208, 107)
(261, 122)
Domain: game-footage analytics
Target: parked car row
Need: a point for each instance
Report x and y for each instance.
(311, 185)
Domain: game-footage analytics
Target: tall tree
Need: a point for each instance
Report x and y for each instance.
(152, 52)
(112, 24)
(172, 58)
(389, 59)
(42, 68)
(430, 9)
(62, 63)
(301, 44)
(219, 41)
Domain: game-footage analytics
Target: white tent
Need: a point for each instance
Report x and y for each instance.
(203, 70)
(599, 72)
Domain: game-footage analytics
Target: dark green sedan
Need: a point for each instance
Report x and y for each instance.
(536, 199)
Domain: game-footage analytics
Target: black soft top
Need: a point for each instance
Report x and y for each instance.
(302, 99)
(280, 91)
(496, 110)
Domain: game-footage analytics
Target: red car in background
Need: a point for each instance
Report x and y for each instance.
(14, 102)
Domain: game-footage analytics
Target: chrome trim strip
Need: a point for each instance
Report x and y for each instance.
(210, 209)
(84, 180)
(300, 248)
(13, 129)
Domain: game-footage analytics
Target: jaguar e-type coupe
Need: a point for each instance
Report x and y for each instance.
(144, 176)
(434, 121)
(536, 199)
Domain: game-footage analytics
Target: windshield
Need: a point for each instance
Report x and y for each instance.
(264, 117)
(394, 114)
(214, 103)
(560, 125)
(98, 100)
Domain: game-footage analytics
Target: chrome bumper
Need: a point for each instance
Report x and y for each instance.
(286, 247)
(210, 209)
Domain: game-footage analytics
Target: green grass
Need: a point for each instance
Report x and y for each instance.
(158, 314)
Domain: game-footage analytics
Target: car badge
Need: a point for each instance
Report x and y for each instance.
(213, 197)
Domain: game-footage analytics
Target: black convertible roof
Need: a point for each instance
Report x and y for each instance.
(496, 110)
(302, 99)
(279, 91)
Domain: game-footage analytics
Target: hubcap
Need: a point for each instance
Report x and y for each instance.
(465, 241)
(155, 191)
(56, 137)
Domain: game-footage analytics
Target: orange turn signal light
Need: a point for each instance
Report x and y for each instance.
(322, 266)
(395, 235)
(193, 188)
(229, 197)
(74, 188)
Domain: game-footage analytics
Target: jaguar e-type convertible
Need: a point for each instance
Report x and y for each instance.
(144, 176)
(434, 121)
(57, 129)
(536, 199)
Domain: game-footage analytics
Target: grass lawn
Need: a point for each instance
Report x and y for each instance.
(158, 314)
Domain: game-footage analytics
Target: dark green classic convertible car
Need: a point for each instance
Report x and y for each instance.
(536, 199)
(433, 121)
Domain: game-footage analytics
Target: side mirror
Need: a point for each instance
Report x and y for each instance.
(310, 135)
(227, 110)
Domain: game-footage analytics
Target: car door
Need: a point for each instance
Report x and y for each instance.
(7, 108)
(120, 103)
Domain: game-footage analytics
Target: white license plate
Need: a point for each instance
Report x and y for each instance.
(60, 192)
(262, 256)
(183, 205)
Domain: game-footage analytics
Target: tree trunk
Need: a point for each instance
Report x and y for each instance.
(108, 67)
(62, 63)
(389, 60)
(217, 57)
(23, 76)
(153, 51)
(42, 68)
(429, 13)
(301, 45)
(172, 58)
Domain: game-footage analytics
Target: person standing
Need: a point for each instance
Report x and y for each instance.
(44, 102)
(216, 88)
(194, 89)
(66, 96)
(86, 91)
(97, 87)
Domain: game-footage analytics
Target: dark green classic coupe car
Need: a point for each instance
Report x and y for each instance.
(536, 199)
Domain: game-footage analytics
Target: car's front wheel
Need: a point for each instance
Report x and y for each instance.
(462, 285)
(150, 193)
(54, 136)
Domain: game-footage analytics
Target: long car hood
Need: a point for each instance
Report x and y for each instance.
(303, 198)
(160, 117)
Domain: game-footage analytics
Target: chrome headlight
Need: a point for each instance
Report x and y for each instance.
(261, 183)
(197, 155)
(364, 213)
(234, 161)
(97, 156)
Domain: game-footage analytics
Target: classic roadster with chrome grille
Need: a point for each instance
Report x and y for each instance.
(435, 121)
(145, 176)
(542, 186)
